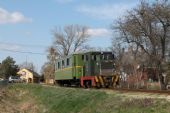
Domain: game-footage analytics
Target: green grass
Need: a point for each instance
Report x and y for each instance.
(70, 100)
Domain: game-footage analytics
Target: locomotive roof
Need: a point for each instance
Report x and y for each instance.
(84, 52)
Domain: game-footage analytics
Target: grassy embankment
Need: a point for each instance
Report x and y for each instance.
(38, 99)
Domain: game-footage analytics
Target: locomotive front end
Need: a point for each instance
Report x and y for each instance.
(107, 76)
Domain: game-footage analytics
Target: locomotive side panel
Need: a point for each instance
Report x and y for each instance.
(92, 66)
(63, 69)
(78, 66)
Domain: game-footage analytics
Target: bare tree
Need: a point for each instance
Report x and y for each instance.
(52, 54)
(71, 39)
(148, 26)
(27, 65)
(118, 53)
(48, 71)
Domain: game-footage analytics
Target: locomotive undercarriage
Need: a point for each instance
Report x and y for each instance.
(91, 81)
(68, 83)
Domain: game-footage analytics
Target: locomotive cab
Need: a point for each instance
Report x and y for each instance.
(99, 70)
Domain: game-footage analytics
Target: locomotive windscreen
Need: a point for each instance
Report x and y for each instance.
(107, 56)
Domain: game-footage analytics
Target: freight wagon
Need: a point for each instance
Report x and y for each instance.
(88, 69)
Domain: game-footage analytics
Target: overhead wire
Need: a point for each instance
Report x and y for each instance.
(28, 52)
(22, 45)
(28, 45)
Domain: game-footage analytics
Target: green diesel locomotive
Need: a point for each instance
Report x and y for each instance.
(88, 69)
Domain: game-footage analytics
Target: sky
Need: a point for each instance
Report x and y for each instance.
(26, 25)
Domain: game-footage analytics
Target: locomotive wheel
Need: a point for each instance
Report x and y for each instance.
(87, 84)
(59, 83)
(98, 86)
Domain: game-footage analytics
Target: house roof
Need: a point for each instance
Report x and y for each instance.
(35, 74)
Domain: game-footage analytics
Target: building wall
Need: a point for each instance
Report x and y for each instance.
(26, 75)
(49, 81)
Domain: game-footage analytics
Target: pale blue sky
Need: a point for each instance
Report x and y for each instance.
(30, 22)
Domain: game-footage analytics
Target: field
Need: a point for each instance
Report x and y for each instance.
(32, 98)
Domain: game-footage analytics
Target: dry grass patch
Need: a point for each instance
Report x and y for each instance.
(14, 100)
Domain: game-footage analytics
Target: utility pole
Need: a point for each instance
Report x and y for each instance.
(26, 61)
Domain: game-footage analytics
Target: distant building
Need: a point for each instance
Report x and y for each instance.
(29, 76)
(49, 81)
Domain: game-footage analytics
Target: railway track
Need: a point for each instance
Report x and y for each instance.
(143, 91)
(167, 92)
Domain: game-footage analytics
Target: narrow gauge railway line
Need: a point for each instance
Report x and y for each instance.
(164, 92)
(143, 91)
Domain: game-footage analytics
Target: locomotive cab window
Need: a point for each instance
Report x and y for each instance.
(98, 57)
(94, 57)
(104, 57)
(63, 63)
(68, 61)
(82, 57)
(107, 57)
(58, 65)
(110, 56)
(87, 57)
(113, 56)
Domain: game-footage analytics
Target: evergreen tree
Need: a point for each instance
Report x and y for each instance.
(8, 68)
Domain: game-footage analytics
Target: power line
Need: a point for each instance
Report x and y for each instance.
(28, 52)
(26, 45)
